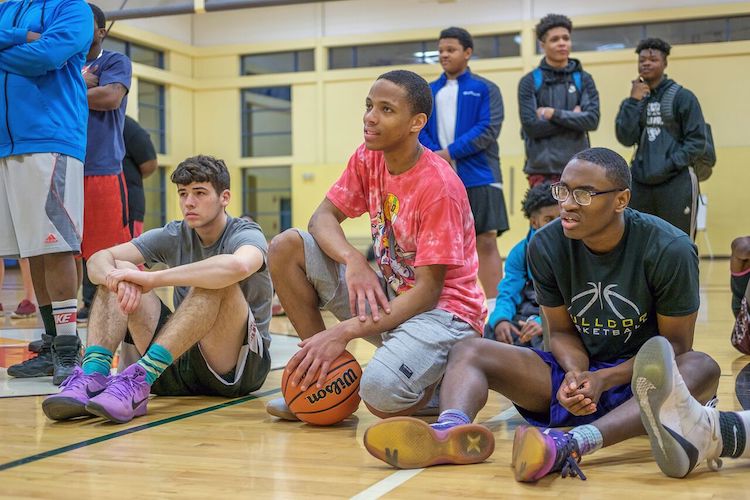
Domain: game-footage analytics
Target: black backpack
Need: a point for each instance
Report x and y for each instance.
(703, 164)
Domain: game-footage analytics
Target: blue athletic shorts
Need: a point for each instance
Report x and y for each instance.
(558, 416)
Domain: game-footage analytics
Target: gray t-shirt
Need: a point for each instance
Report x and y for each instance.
(176, 244)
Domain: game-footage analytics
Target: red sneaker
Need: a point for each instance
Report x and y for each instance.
(26, 309)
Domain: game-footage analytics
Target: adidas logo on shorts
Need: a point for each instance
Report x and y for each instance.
(50, 239)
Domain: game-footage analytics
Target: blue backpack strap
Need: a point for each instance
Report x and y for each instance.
(537, 74)
(577, 81)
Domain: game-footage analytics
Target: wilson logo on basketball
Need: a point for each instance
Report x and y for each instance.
(345, 380)
(334, 400)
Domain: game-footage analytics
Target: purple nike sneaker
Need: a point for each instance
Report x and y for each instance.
(125, 397)
(538, 452)
(75, 393)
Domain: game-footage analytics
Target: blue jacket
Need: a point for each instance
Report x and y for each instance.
(510, 290)
(43, 105)
(478, 120)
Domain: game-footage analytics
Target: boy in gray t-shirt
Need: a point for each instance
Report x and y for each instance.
(216, 342)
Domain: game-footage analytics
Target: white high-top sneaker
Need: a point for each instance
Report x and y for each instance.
(682, 431)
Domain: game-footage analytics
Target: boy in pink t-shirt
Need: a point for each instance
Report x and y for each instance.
(425, 297)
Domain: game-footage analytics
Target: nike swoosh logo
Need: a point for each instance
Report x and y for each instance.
(643, 387)
(734, 428)
(136, 404)
(690, 450)
(93, 394)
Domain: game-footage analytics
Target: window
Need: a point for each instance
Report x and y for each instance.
(686, 32)
(710, 30)
(136, 52)
(487, 47)
(155, 189)
(419, 52)
(277, 62)
(267, 121)
(151, 112)
(267, 198)
(739, 28)
(607, 37)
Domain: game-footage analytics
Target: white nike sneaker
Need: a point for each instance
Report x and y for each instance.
(682, 431)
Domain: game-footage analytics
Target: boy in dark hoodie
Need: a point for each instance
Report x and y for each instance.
(663, 183)
(558, 103)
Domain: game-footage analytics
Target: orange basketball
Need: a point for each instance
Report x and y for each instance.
(332, 403)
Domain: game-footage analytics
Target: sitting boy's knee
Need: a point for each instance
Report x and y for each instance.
(468, 351)
(741, 247)
(285, 243)
(385, 393)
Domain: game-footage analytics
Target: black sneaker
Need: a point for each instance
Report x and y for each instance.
(37, 345)
(38, 366)
(66, 355)
(82, 316)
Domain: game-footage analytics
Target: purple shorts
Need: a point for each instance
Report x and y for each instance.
(558, 416)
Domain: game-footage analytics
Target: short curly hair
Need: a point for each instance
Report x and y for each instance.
(460, 34)
(418, 92)
(552, 21)
(202, 168)
(539, 196)
(654, 43)
(615, 166)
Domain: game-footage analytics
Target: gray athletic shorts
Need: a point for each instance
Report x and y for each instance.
(409, 358)
(41, 204)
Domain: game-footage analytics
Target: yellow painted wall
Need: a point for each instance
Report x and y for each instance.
(203, 105)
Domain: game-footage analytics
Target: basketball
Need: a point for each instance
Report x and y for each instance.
(332, 403)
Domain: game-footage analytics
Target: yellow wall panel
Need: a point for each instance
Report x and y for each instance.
(203, 88)
(306, 118)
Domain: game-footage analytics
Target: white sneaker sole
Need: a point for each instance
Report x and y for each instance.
(652, 385)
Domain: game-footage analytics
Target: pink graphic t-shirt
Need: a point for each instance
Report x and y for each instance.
(418, 218)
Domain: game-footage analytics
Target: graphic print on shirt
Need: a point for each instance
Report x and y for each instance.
(600, 310)
(654, 122)
(396, 265)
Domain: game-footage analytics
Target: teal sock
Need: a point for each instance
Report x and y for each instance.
(156, 360)
(588, 437)
(97, 359)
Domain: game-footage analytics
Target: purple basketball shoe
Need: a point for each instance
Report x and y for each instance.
(125, 397)
(75, 393)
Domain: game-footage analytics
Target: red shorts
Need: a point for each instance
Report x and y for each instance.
(536, 179)
(137, 228)
(105, 213)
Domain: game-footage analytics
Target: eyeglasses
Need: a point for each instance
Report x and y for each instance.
(583, 197)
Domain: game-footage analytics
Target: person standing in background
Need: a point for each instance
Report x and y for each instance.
(463, 129)
(558, 103)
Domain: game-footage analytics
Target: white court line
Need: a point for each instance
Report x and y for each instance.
(396, 479)
(506, 414)
(388, 484)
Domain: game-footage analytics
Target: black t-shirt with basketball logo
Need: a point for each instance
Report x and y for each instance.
(613, 298)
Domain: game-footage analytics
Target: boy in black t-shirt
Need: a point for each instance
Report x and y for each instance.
(607, 278)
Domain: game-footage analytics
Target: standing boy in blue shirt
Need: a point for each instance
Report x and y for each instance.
(42, 146)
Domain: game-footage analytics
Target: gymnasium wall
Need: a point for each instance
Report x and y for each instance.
(203, 89)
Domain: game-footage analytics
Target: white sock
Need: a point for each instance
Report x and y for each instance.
(64, 312)
(588, 437)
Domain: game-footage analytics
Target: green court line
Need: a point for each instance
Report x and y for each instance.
(138, 428)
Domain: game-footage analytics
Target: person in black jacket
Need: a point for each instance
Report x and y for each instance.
(663, 185)
(140, 161)
(558, 103)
